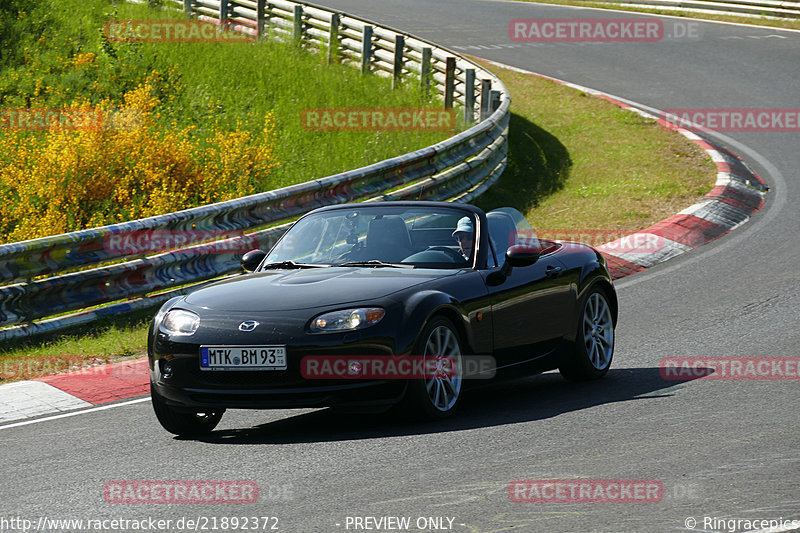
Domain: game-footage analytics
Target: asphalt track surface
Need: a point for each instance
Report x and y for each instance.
(721, 449)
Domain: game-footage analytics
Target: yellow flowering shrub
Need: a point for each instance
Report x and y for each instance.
(127, 167)
(81, 60)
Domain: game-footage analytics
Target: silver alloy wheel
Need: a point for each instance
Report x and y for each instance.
(598, 331)
(444, 386)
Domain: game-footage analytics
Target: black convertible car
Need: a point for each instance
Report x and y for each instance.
(350, 293)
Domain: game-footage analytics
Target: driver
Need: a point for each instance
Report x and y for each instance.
(465, 235)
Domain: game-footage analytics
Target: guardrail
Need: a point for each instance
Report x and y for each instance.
(66, 273)
(770, 8)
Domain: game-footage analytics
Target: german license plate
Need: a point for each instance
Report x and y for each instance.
(243, 358)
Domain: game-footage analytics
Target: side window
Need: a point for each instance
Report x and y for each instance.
(502, 233)
(508, 227)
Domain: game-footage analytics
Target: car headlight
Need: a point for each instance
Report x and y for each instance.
(347, 319)
(179, 322)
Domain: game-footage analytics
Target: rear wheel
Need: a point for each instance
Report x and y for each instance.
(438, 395)
(590, 357)
(184, 423)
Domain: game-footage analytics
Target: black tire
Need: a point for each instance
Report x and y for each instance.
(184, 423)
(591, 354)
(437, 397)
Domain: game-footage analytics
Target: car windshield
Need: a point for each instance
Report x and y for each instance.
(380, 236)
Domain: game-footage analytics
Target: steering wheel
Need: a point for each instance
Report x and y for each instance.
(349, 254)
(456, 256)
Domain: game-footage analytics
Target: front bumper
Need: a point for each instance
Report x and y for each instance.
(187, 386)
(347, 395)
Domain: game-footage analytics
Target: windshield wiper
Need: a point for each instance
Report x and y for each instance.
(373, 263)
(290, 264)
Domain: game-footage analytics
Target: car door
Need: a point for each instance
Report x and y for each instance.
(531, 307)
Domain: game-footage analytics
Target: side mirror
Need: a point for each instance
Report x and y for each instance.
(252, 259)
(516, 256)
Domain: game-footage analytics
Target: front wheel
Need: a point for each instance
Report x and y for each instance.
(184, 423)
(437, 395)
(590, 357)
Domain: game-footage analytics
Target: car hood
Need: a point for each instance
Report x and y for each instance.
(285, 290)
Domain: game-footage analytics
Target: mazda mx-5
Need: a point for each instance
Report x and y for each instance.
(385, 305)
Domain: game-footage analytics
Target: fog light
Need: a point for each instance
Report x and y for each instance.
(166, 369)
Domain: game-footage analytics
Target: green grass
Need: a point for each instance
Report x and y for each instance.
(786, 23)
(284, 79)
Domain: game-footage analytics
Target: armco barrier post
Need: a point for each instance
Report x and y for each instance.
(469, 96)
(425, 70)
(260, 5)
(486, 97)
(297, 31)
(397, 70)
(223, 13)
(188, 7)
(449, 82)
(494, 101)
(333, 39)
(366, 49)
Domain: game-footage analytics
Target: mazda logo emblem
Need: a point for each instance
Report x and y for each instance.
(248, 325)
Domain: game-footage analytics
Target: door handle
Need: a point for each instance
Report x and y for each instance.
(552, 271)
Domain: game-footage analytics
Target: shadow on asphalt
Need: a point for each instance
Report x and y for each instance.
(524, 400)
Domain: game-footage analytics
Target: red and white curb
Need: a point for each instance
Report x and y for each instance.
(93, 386)
(737, 193)
(29, 399)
